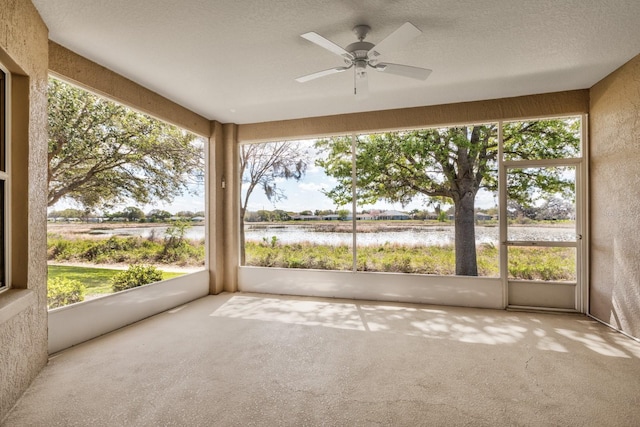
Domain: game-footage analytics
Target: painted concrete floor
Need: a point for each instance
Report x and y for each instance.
(258, 360)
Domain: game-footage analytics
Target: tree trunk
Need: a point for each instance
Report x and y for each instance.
(465, 235)
(242, 248)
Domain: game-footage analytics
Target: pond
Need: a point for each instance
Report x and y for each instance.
(432, 235)
(425, 235)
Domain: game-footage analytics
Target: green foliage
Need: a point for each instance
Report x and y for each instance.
(556, 264)
(134, 276)
(451, 165)
(261, 165)
(96, 280)
(61, 291)
(398, 166)
(158, 215)
(67, 213)
(176, 248)
(102, 153)
(130, 213)
(270, 242)
(343, 214)
(131, 250)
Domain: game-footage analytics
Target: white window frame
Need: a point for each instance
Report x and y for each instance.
(5, 178)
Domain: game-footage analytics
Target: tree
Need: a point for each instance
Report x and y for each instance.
(556, 208)
(133, 213)
(343, 214)
(449, 165)
(66, 213)
(158, 215)
(261, 165)
(185, 214)
(102, 153)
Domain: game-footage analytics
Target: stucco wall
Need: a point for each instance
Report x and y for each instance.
(615, 198)
(23, 310)
(546, 104)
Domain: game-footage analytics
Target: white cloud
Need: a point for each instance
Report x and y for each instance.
(312, 186)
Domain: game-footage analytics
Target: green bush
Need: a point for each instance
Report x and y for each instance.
(130, 250)
(62, 292)
(134, 276)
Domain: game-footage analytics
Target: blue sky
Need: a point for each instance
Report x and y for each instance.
(307, 195)
(302, 195)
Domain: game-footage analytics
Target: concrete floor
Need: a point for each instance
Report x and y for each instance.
(246, 359)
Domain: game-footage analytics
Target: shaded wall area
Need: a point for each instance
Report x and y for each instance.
(23, 308)
(615, 199)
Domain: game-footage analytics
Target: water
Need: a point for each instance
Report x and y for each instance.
(195, 232)
(438, 235)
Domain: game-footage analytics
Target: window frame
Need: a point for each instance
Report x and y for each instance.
(5, 173)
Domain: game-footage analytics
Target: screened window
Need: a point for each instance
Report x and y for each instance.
(382, 202)
(416, 201)
(124, 189)
(542, 139)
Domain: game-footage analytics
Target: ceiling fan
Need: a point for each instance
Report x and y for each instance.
(361, 55)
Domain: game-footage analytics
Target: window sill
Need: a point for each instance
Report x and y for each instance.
(14, 301)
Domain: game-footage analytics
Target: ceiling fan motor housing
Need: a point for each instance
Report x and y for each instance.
(360, 51)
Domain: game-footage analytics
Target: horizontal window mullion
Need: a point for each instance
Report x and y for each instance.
(543, 243)
(513, 164)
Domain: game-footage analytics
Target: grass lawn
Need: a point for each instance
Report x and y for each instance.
(97, 280)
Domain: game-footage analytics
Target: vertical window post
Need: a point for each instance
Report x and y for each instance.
(4, 181)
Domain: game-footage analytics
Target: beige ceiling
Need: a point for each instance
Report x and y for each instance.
(235, 60)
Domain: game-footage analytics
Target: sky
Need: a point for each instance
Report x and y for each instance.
(187, 202)
(306, 194)
(302, 195)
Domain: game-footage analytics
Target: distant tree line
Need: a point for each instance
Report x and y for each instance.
(130, 213)
(549, 210)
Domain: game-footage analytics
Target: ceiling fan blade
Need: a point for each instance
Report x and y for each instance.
(327, 44)
(361, 86)
(403, 70)
(395, 40)
(322, 73)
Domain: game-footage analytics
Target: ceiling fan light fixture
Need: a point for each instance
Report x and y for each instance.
(361, 68)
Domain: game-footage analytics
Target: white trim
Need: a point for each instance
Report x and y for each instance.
(445, 290)
(542, 295)
(76, 323)
(537, 163)
(583, 294)
(502, 216)
(539, 289)
(543, 243)
(6, 177)
(354, 204)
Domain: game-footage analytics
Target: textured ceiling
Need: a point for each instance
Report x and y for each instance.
(235, 60)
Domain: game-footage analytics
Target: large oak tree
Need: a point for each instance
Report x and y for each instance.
(102, 153)
(451, 164)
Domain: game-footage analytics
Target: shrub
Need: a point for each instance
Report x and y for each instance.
(134, 276)
(62, 292)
